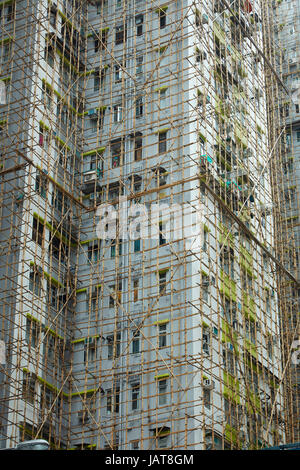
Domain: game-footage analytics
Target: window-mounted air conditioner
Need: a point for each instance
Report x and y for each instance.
(92, 113)
(208, 383)
(208, 281)
(90, 176)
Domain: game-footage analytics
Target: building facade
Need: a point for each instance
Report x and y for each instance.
(145, 122)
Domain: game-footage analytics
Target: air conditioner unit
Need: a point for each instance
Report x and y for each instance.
(208, 383)
(92, 113)
(208, 281)
(90, 176)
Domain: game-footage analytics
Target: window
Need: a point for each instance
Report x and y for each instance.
(101, 7)
(162, 391)
(115, 295)
(163, 442)
(9, 13)
(121, 34)
(116, 148)
(247, 282)
(113, 401)
(227, 261)
(47, 96)
(250, 330)
(207, 398)
(96, 44)
(162, 142)
(230, 311)
(113, 249)
(35, 281)
(32, 333)
(137, 245)
(138, 148)
(162, 335)
(118, 113)
(139, 107)
(198, 18)
(135, 290)
(214, 442)
(89, 352)
(297, 108)
(253, 380)
(162, 98)
(162, 282)
(53, 18)
(139, 20)
(136, 342)
(162, 234)
(100, 123)
(50, 400)
(63, 114)
(103, 39)
(205, 340)
(229, 361)
(49, 349)
(205, 288)
(298, 136)
(60, 202)
(139, 65)
(288, 166)
(52, 295)
(111, 302)
(268, 300)
(231, 416)
(118, 73)
(114, 343)
(135, 445)
(269, 343)
(162, 18)
(28, 389)
(135, 396)
(55, 246)
(6, 49)
(94, 252)
(41, 185)
(38, 230)
(99, 79)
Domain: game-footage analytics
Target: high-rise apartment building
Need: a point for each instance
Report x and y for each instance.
(166, 333)
(287, 26)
